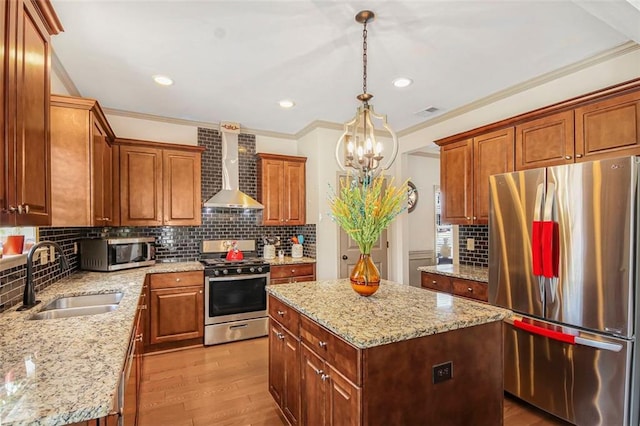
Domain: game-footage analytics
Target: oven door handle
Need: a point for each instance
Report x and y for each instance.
(236, 277)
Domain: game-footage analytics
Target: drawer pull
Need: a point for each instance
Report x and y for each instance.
(247, 325)
(319, 372)
(433, 282)
(281, 313)
(470, 290)
(280, 336)
(324, 377)
(322, 344)
(138, 338)
(177, 280)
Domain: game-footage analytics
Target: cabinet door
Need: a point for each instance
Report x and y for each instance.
(294, 193)
(110, 214)
(436, 282)
(456, 175)
(176, 314)
(5, 218)
(291, 401)
(276, 361)
(272, 191)
(492, 154)
(312, 392)
(140, 186)
(343, 400)
(33, 185)
(99, 179)
(181, 174)
(547, 141)
(608, 128)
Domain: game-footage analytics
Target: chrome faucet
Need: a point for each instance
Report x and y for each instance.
(29, 297)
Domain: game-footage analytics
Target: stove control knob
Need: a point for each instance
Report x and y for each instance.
(252, 269)
(239, 270)
(216, 273)
(259, 268)
(225, 272)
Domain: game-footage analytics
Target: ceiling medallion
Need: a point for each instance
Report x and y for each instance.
(361, 146)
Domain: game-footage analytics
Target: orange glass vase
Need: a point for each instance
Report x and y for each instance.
(365, 277)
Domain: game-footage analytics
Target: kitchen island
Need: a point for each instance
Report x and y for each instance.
(402, 356)
(67, 370)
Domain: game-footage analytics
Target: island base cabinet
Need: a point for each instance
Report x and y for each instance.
(284, 371)
(328, 398)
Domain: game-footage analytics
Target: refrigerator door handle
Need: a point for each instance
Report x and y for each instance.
(562, 337)
(550, 237)
(536, 233)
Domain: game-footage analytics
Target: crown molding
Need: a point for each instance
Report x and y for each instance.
(63, 75)
(192, 123)
(607, 55)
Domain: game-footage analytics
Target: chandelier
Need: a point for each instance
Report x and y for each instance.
(361, 145)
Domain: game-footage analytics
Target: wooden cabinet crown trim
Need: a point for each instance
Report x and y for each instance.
(49, 16)
(86, 104)
(578, 101)
(161, 145)
(265, 156)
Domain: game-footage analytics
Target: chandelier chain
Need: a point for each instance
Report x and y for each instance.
(364, 58)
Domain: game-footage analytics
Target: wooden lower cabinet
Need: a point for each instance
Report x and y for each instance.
(284, 370)
(294, 273)
(389, 384)
(330, 399)
(457, 286)
(176, 308)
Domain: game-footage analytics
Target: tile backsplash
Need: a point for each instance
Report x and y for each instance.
(480, 255)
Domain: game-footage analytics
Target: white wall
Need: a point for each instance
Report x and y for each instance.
(424, 173)
(57, 87)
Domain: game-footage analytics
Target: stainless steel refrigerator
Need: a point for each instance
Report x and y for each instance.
(563, 255)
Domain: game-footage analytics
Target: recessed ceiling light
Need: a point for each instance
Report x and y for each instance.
(162, 80)
(402, 82)
(286, 103)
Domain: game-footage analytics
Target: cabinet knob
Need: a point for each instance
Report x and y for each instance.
(567, 157)
(470, 290)
(324, 377)
(280, 336)
(281, 313)
(200, 292)
(177, 280)
(293, 271)
(20, 209)
(13, 209)
(322, 344)
(319, 372)
(107, 219)
(139, 338)
(345, 257)
(433, 282)
(578, 155)
(474, 218)
(468, 218)
(27, 208)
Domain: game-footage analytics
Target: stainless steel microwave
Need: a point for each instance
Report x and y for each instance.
(114, 254)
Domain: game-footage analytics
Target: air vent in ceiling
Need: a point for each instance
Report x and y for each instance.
(427, 111)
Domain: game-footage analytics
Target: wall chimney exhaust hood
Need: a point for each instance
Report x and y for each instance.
(230, 196)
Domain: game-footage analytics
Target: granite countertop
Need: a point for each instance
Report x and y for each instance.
(474, 273)
(67, 370)
(288, 260)
(394, 313)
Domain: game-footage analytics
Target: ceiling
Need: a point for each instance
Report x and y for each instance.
(234, 60)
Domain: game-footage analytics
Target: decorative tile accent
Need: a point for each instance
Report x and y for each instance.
(480, 256)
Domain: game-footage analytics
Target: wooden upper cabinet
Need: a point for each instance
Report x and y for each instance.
(546, 141)
(456, 182)
(182, 183)
(282, 189)
(492, 154)
(27, 27)
(609, 128)
(160, 184)
(81, 163)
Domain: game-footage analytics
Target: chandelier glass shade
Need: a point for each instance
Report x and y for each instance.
(368, 144)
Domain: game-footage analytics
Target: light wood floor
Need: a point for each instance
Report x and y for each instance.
(226, 385)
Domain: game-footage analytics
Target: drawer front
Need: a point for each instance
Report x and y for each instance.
(285, 315)
(331, 348)
(293, 279)
(471, 289)
(176, 279)
(436, 282)
(285, 271)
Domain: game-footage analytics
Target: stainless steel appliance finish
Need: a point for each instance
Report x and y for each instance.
(235, 293)
(114, 254)
(563, 251)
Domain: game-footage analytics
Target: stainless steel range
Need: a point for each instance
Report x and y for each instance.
(235, 305)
